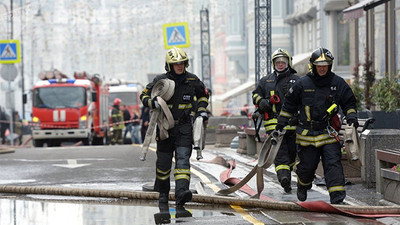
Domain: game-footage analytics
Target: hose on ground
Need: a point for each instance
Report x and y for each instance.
(207, 199)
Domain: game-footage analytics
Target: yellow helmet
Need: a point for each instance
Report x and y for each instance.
(175, 55)
(280, 52)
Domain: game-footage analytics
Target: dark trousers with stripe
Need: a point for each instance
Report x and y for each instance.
(165, 153)
(330, 155)
(286, 156)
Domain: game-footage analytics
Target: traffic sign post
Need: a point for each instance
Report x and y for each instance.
(10, 51)
(8, 72)
(10, 54)
(176, 35)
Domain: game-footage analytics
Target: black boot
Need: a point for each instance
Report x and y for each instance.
(163, 198)
(301, 192)
(182, 212)
(285, 183)
(337, 197)
(163, 217)
(182, 198)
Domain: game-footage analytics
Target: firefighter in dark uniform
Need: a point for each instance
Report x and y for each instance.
(190, 100)
(117, 119)
(269, 97)
(319, 94)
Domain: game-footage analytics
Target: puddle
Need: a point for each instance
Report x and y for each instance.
(84, 211)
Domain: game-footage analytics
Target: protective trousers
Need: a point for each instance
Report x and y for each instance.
(330, 156)
(117, 137)
(286, 156)
(165, 151)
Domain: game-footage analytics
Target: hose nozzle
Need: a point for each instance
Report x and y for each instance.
(274, 137)
(274, 99)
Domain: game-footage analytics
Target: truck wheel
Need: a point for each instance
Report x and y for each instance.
(37, 143)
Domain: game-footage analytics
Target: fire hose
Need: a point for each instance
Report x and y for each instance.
(199, 139)
(265, 160)
(372, 211)
(268, 152)
(163, 90)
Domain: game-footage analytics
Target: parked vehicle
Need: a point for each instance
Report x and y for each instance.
(66, 109)
(128, 92)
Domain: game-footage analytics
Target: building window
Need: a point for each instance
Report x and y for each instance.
(379, 33)
(276, 8)
(343, 42)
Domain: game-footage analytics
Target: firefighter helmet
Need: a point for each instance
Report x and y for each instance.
(321, 57)
(175, 55)
(280, 52)
(117, 101)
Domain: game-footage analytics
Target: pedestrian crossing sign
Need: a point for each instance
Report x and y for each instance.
(10, 51)
(176, 35)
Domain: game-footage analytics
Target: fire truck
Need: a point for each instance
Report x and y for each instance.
(66, 109)
(128, 92)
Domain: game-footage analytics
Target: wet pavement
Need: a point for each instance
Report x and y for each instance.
(76, 212)
(51, 209)
(357, 193)
(84, 211)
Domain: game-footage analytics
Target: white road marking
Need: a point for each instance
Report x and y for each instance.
(72, 164)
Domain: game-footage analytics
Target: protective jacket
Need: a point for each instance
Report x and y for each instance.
(117, 118)
(274, 84)
(314, 95)
(190, 95)
(278, 84)
(317, 95)
(189, 99)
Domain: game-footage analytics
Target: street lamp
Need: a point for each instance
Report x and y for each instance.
(8, 21)
(7, 69)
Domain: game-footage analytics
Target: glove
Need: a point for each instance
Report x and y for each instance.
(279, 127)
(353, 122)
(294, 121)
(264, 105)
(255, 115)
(154, 103)
(204, 115)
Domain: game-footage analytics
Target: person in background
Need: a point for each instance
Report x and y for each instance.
(117, 120)
(144, 120)
(208, 110)
(127, 123)
(5, 124)
(245, 111)
(135, 134)
(17, 128)
(269, 96)
(189, 101)
(318, 96)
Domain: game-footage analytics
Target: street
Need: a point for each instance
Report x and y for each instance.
(118, 168)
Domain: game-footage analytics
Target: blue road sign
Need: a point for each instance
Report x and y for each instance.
(9, 51)
(176, 35)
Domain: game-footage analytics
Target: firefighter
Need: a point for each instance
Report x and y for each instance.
(117, 120)
(270, 88)
(189, 101)
(318, 95)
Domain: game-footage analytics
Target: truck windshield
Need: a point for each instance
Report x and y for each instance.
(59, 97)
(128, 98)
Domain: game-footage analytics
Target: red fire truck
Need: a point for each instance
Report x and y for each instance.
(128, 92)
(70, 110)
